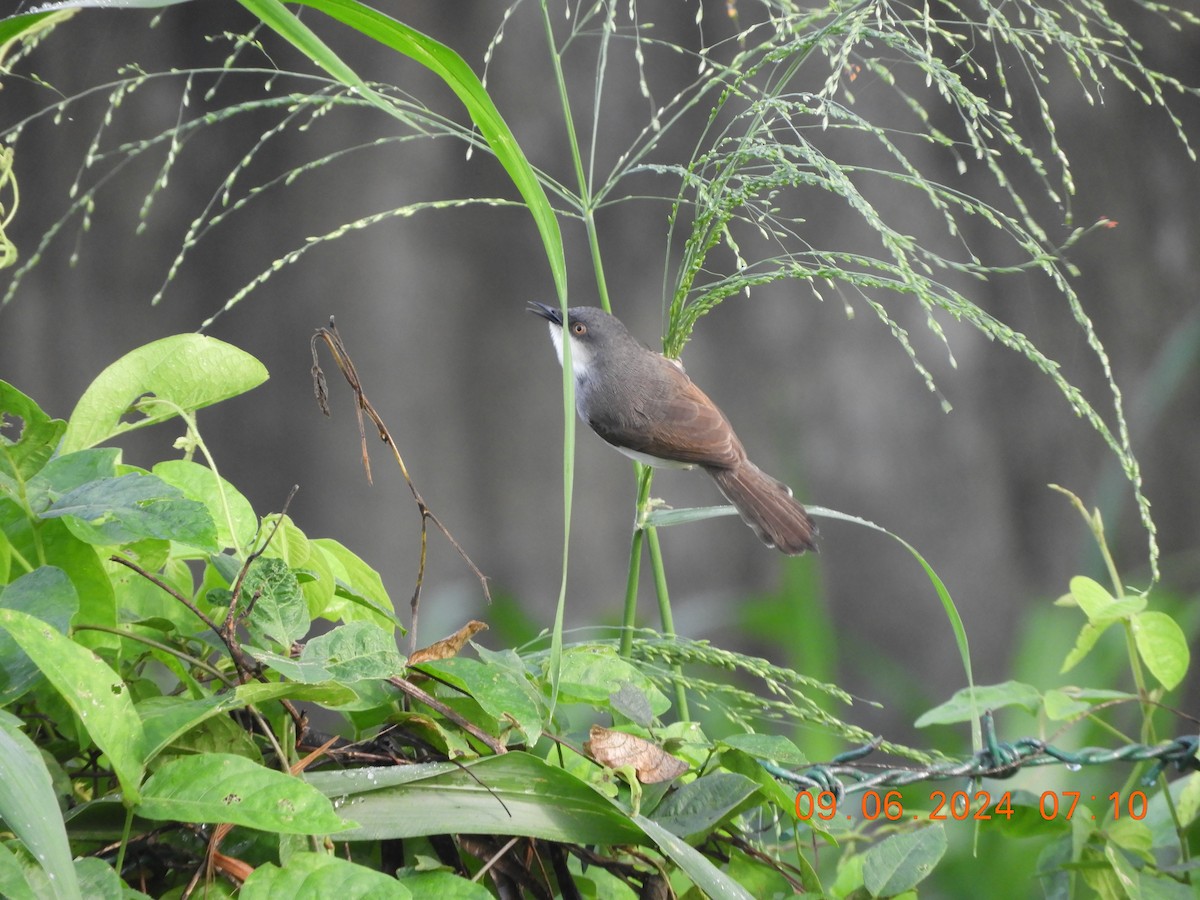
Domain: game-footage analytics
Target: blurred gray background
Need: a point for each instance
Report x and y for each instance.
(432, 310)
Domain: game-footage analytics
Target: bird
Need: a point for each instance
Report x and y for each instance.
(645, 405)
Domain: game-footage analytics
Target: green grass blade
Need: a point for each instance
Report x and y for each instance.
(445, 63)
(663, 517)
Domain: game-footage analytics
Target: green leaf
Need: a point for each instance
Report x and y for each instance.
(27, 436)
(1099, 605)
(1084, 642)
(1091, 596)
(699, 805)
(355, 652)
(165, 719)
(221, 787)
(902, 861)
(1162, 647)
(448, 66)
(133, 507)
(280, 613)
(513, 794)
(94, 691)
(1027, 819)
(706, 876)
(183, 372)
(593, 674)
(314, 876)
(447, 886)
(48, 595)
(767, 746)
(65, 473)
(98, 881)
(358, 584)
(29, 808)
(967, 703)
(12, 877)
(234, 516)
(496, 689)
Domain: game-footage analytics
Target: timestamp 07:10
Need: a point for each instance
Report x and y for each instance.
(959, 805)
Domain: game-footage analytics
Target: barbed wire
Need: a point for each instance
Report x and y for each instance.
(998, 759)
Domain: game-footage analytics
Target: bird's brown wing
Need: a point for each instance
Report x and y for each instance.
(674, 421)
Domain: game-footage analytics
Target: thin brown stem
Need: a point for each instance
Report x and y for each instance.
(333, 340)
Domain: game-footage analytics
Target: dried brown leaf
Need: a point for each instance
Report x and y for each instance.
(616, 749)
(447, 647)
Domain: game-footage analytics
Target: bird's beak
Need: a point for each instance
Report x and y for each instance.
(551, 313)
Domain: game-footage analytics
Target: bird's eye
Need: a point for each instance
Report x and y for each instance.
(578, 328)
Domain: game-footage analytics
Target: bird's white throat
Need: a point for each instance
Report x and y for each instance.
(581, 354)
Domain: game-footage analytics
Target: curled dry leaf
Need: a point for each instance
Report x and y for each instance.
(447, 647)
(616, 749)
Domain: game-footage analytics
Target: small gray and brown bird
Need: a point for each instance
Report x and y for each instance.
(646, 406)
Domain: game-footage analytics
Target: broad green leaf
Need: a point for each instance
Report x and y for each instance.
(280, 613)
(902, 861)
(97, 602)
(495, 689)
(231, 511)
(1091, 596)
(12, 877)
(48, 595)
(699, 805)
(95, 692)
(98, 880)
(513, 794)
(1162, 647)
(220, 787)
(593, 674)
(1027, 819)
(354, 652)
(767, 746)
(28, 436)
(29, 808)
(288, 541)
(633, 704)
(1188, 803)
(165, 719)
(319, 587)
(783, 798)
(662, 517)
(315, 876)
(65, 473)
(707, 877)
(762, 879)
(291, 669)
(968, 703)
(1132, 835)
(358, 584)
(132, 507)
(1099, 605)
(185, 371)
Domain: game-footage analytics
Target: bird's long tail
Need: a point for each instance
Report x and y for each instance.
(767, 505)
